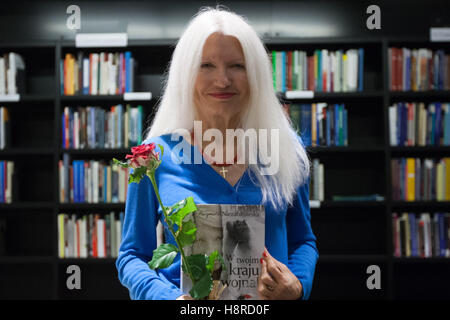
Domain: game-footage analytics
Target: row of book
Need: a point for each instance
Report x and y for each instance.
(5, 129)
(317, 185)
(12, 73)
(94, 127)
(416, 179)
(418, 69)
(413, 124)
(320, 124)
(92, 181)
(97, 73)
(6, 181)
(91, 235)
(421, 235)
(325, 70)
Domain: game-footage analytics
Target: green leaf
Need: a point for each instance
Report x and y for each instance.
(202, 287)
(137, 175)
(163, 256)
(181, 209)
(122, 164)
(162, 151)
(212, 260)
(197, 265)
(186, 234)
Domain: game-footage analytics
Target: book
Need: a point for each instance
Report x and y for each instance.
(237, 232)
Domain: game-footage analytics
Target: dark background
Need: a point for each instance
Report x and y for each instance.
(350, 237)
(46, 20)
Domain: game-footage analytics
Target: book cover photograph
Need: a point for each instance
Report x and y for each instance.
(237, 232)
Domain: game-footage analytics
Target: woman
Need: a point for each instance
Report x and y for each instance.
(220, 75)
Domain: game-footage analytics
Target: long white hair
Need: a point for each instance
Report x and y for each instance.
(176, 109)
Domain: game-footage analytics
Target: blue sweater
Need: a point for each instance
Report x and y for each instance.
(289, 237)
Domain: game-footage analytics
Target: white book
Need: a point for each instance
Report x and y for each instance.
(126, 128)
(2, 127)
(76, 130)
(427, 235)
(305, 70)
(112, 234)
(9, 181)
(315, 190)
(85, 74)
(94, 74)
(321, 182)
(111, 74)
(332, 64)
(61, 235)
(118, 227)
(95, 180)
(345, 58)
(2, 77)
(108, 184)
(121, 184)
(101, 238)
(393, 125)
(324, 68)
(338, 73)
(352, 74)
(81, 235)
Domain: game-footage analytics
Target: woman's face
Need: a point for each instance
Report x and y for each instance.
(221, 88)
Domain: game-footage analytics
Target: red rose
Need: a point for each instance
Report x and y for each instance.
(142, 156)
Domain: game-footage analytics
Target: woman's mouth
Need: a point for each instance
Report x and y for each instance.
(224, 95)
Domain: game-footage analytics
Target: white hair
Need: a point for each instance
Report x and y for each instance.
(176, 109)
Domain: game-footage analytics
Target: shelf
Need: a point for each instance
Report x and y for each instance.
(96, 152)
(344, 149)
(419, 150)
(90, 260)
(335, 95)
(346, 204)
(27, 151)
(103, 97)
(419, 204)
(91, 206)
(352, 258)
(414, 260)
(28, 98)
(438, 94)
(27, 206)
(25, 259)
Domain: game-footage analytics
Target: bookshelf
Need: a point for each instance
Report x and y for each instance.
(351, 235)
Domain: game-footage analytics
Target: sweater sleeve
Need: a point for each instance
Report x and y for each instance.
(302, 250)
(138, 243)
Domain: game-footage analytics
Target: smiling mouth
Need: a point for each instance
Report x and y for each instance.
(222, 95)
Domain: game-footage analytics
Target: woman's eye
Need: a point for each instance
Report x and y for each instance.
(206, 65)
(239, 66)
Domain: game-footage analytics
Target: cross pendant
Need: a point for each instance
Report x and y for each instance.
(223, 171)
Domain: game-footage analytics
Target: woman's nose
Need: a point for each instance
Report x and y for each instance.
(222, 78)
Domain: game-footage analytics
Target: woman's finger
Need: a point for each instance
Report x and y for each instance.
(273, 268)
(266, 278)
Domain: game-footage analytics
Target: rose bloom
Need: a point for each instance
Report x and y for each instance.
(142, 155)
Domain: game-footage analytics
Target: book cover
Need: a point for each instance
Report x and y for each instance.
(237, 232)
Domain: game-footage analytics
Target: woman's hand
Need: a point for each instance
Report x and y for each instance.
(276, 281)
(184, 297)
